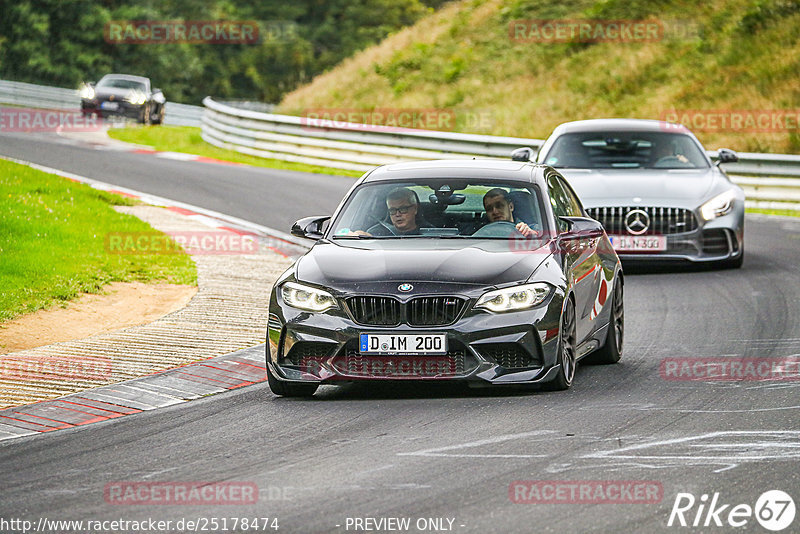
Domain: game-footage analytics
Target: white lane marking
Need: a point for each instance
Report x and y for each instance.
(442, 451)
(652, 407)
(626, 466)
(778, 440)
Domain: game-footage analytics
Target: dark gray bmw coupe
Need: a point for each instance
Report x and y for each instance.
(487, 272)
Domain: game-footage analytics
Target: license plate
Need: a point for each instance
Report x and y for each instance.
(623, 243)
(111, 106)
(402, 344)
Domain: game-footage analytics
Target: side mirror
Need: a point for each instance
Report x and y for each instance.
(310, 227)
(581, 227)
(726, 155)
(523, 154)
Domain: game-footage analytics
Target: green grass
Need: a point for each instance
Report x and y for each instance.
(52, 242)
(187, 139)
(785, 213)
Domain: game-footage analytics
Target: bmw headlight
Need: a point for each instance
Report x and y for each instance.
(307, 298)
(136, 97)
(514, 298)
(718, 206)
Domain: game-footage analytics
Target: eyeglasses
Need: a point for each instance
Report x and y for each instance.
(402, 210)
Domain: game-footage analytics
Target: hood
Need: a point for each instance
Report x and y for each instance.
(360, 265)
(682, 187)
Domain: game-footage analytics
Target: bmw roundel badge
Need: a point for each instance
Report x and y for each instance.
(405, 288)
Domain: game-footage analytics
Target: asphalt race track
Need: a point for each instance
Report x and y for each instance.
(445, 452)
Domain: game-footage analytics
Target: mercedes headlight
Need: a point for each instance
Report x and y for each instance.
(719, 205)
(136, 97)
(514, 298)
(307, 298)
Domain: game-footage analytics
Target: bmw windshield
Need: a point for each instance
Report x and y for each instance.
(441, 208)
(626, 150)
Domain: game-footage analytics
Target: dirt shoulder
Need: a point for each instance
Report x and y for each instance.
(121, 305)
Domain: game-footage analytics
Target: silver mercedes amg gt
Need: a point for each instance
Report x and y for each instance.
(653, 187)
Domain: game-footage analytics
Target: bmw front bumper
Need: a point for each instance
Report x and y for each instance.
(483, 348)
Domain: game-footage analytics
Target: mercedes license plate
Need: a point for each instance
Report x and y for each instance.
(111, 106)
(402, 344)
(638, 243)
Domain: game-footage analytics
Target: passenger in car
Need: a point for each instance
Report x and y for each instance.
(500, 207)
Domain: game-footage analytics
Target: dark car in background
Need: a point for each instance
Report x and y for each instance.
(124, 96)
(653, 187)
(460, 297)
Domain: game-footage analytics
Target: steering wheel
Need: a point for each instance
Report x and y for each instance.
(671, 162)
(498, 229)
(383, 224)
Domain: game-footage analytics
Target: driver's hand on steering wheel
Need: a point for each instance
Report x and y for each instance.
(526, 230)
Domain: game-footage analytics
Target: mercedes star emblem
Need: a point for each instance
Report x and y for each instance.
(637, 222)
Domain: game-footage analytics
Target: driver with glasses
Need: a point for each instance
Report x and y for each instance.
(403, 208)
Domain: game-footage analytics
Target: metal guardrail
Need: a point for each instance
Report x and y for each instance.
(40, 96)
(769, 180)
(341, 145)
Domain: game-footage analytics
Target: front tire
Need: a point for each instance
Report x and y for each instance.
(289, 389)
(159, 117)
(144, 117)
(566, 351)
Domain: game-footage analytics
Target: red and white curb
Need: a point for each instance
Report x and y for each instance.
(165, 388)
(181, 156)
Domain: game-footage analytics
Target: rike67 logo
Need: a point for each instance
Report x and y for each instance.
(774, 510)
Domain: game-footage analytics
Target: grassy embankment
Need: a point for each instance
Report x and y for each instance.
(716, 55)
(187, 139)
(52, 242)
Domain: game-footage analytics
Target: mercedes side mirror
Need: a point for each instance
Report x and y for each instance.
(525, 153)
